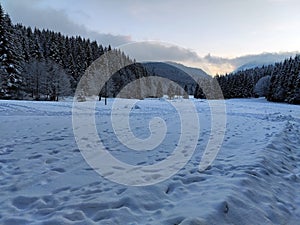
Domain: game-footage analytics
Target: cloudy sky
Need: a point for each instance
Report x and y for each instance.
(216, 35)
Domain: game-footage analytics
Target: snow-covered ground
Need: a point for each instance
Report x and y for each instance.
(255, 178)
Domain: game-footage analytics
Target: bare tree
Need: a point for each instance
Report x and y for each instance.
(171, 92)
(159, 90)
(34, 78)
(177, 91)
(46, 80)
(58, 84)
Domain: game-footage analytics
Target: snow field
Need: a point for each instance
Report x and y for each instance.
(254, 179)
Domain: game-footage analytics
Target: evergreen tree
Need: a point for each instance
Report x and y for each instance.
(185, 93)
(199, 89)
(295, 95)
(9, 64)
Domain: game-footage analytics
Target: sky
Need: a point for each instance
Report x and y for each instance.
(214, 35)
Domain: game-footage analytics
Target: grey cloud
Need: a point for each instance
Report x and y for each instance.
(248, 61)
(215, 59)
(263, 58)
(24, 12)
(158, 51)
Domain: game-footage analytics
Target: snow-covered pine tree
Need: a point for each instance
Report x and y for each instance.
(9, 64)
(295, 95)
(22, 43)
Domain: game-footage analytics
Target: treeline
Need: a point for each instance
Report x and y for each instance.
(285, 82)
(126, 79)
(279, 83)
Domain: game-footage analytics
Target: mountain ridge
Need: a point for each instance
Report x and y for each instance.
(176, 72)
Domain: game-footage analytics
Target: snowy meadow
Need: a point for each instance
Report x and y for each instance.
(254, 179)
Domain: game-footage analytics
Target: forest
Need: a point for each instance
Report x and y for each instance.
(279, 82)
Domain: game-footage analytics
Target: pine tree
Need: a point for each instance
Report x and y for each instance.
(185, 93)
(199, 89)
(9, 65)
(295, 96)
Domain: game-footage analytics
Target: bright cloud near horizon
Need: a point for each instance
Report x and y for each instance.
(211, 34)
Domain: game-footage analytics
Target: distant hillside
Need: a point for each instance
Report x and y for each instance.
(194, 72)
(250, 65)
(176, 72)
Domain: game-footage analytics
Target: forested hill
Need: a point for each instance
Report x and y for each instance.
(186, 77)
